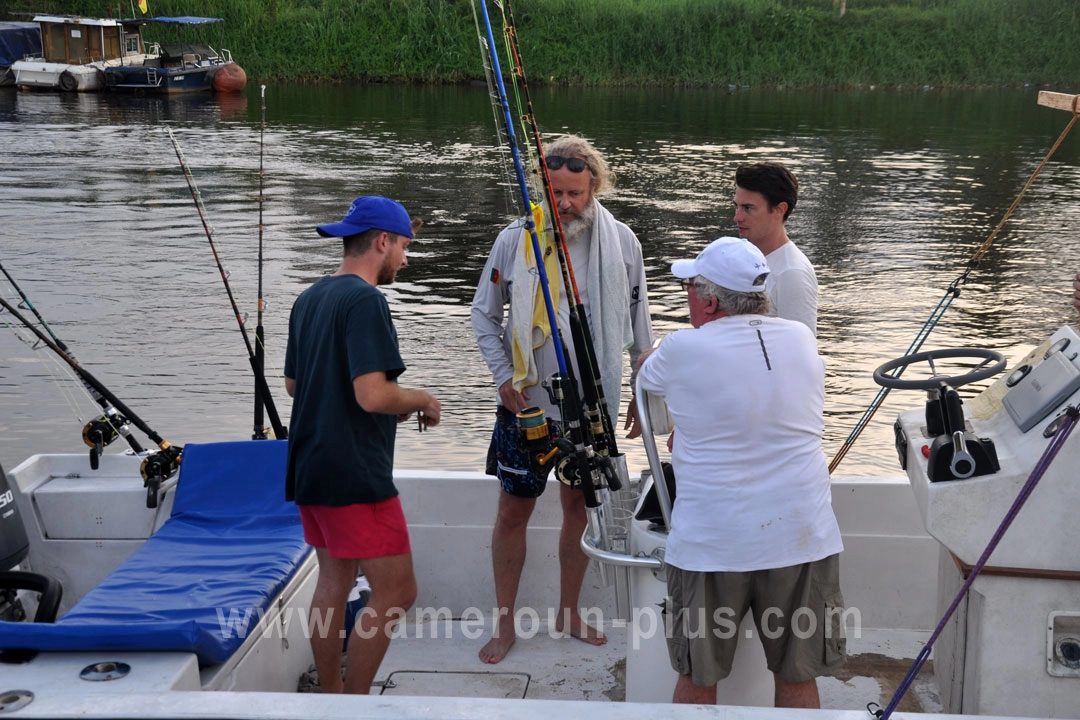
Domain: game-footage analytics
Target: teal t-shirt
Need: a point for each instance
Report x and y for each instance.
(339, 454)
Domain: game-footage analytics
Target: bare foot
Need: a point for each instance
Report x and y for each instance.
(500, 643)
(579, 628)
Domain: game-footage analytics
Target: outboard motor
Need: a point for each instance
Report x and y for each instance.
(14, 547)
(14, 544)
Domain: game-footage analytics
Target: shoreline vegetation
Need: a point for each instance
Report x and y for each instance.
(719, 43)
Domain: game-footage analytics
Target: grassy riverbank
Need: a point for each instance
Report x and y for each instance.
(632, 42)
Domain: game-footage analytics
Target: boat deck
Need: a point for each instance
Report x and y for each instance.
(440, 660)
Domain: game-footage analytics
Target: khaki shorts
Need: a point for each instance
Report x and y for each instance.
(798, 612)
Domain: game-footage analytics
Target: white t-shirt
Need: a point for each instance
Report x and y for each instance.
(746, 394)
(792, 286)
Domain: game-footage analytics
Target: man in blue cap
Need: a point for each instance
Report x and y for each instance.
(341, 368)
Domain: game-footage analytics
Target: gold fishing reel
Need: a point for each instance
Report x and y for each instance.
(156, 468)
(100, 432)
(534, 433)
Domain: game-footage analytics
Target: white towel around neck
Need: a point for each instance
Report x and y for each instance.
(609, 305)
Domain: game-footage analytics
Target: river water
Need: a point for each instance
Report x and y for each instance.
(97, 225)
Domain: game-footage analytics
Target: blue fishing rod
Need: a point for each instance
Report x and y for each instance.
(100, 432)
(156, 467)
(565, 390)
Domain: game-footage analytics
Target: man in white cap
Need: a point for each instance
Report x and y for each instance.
(341, 367)
(753, 526)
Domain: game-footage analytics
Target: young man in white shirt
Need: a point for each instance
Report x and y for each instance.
(765, 196)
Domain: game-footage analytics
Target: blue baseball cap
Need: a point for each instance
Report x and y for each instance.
(370, 212)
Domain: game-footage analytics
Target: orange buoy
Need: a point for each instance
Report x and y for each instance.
(230, 78)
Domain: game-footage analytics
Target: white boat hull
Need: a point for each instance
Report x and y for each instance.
(69, 78)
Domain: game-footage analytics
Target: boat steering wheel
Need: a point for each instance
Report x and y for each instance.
(979, 372)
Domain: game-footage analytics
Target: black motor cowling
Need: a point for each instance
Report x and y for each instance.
(14, 547)
(14, 544)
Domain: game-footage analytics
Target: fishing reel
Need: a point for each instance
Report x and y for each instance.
(537, 438)
(568, 464)
(156, 468)
(568, 469)
(545, 449)
(100, 432)
(603, 459)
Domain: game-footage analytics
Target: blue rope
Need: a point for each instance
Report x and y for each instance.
(1041, 467)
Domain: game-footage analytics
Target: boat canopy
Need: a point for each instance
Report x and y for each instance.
(184, 20)
(17, 40)
(75, 20)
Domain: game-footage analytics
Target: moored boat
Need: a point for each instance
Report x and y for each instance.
(179, 67)
(75, 51)
(17, 40)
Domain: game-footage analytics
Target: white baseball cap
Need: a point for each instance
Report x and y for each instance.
(731, 263)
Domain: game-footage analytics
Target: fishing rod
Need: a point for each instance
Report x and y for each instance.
(259, 432)
(951, 293)
(260, 379)
(156, 467)
(596, 407)
(505, 162)
(564, 389)
(100, 432)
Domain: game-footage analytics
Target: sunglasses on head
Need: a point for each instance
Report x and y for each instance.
(573, 164)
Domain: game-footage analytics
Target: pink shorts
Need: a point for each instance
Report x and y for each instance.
(356, 532)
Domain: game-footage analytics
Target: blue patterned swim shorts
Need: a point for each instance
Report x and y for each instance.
(507, 461)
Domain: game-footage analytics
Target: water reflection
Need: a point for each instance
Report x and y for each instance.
(898, 190)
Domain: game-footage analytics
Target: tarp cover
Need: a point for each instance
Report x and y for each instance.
(184, 20)
(17, 40)
(230, 546)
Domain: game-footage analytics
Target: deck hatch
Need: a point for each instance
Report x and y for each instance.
(436, 683)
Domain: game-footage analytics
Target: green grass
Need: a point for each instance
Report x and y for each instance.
(647, 42)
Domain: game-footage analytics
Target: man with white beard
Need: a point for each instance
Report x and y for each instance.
(610, 274)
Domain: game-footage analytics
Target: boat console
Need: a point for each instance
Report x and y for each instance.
(1013, 645)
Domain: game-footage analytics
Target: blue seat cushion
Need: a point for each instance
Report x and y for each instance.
(201, 582)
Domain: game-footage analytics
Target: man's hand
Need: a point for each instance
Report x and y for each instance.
(513, 400)
(430, 414)
(632, 423)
